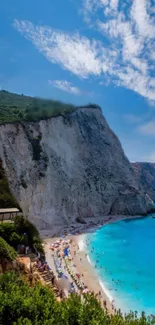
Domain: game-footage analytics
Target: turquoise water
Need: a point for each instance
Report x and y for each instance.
(123, 254)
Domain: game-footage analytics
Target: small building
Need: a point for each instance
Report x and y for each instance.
(9, 213)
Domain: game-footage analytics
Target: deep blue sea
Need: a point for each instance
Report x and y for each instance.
(123, 254)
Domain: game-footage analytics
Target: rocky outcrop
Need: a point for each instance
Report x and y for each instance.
(146, 176)
(65, 167)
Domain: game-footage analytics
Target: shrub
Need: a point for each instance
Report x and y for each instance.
(9, 234)
(22, 226)
(6, 251)
(21, 304)
(16, 108)
(24, 240)
(6, 230)
(23, 232)
(14, 239)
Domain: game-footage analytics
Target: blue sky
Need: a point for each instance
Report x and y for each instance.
(82, 51)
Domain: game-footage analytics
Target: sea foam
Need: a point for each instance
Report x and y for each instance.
(106, 291)
(101, 283)
(81, 243)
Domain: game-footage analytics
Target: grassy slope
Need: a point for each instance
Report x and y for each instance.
(16, 108)
(6, 251)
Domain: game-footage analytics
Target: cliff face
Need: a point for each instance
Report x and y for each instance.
(146, 176)
(65, 167)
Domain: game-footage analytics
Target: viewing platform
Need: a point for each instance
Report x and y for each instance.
(9, 214)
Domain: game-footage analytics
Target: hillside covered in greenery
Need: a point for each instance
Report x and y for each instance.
(6, 251)
(16, 108)
(25, 302)
(21, 232)
(22, 304)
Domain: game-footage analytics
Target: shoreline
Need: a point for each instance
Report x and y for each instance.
(81, 260)
(91, 225)
(90, 277)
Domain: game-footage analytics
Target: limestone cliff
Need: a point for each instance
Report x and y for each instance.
(65, 167)
(146, 176)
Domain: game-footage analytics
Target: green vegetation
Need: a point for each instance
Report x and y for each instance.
(6, 251)
(91, 105)
(17, 108)
(21, 304)
(6, 198)
(21, 232)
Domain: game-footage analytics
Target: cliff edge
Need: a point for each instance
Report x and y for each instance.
(69, 166)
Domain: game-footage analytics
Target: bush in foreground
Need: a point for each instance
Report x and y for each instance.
(7, 253)
(24, 305)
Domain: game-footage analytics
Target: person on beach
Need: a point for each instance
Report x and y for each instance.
(100, 295)
(104, 304)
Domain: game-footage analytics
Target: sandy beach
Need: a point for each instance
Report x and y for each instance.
(81, 266)
(75, 234)
(89, 275)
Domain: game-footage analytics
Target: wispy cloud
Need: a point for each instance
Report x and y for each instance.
(128, 29)
(144, 23)
(147, 128)
(65, 86)
(73, 52)
(133, 119)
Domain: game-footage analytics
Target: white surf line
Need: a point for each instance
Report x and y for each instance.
(81, 243)
(106, 291)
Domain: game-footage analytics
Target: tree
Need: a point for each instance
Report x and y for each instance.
(7, 253)
(22, 231)
(21, 304)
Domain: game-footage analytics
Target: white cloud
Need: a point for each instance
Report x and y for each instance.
(73, 52)
(127, 60)
(140, 64)
(144, 24)
(133, 119)
(114, 4)
(152, 56)
(134, 80)
(90, 6)
(130, 29)
(65, 86)
(147, 128)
